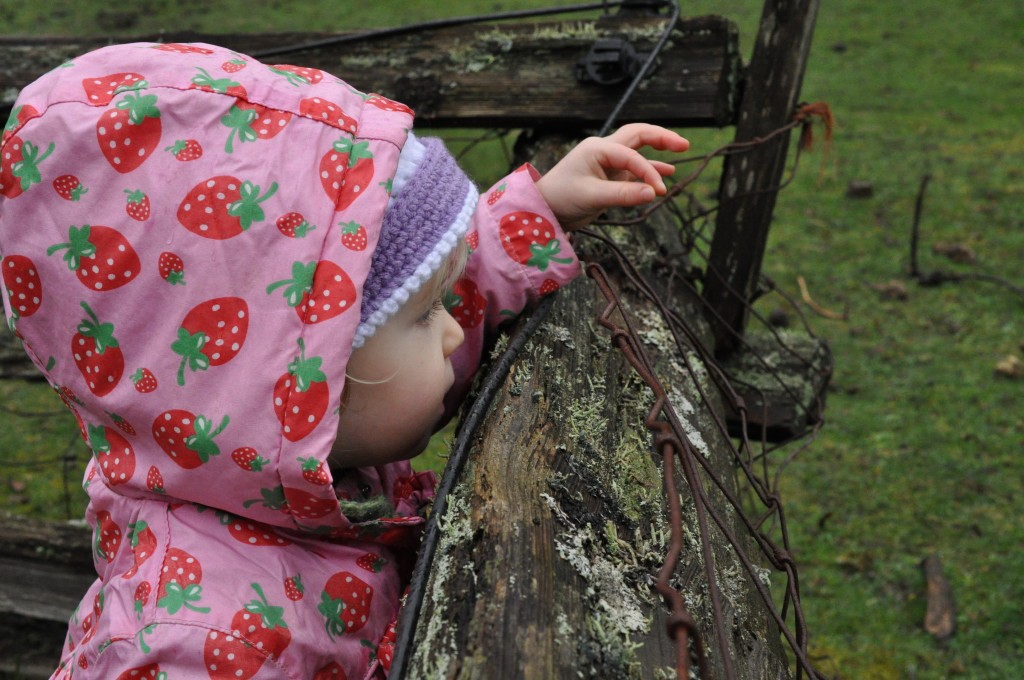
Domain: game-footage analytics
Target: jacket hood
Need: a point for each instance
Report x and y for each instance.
(185, 235)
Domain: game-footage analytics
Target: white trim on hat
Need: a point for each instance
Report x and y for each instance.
(430, 265)
(409, 160)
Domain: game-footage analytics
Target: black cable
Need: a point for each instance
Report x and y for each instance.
(628, 94)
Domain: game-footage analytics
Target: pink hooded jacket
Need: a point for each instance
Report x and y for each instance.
(182, 228)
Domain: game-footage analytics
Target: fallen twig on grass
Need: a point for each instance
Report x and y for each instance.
(938, 277)
(818, 309)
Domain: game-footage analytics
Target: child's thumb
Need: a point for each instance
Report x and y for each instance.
(634, 193)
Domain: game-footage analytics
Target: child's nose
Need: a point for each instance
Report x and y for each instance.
(453, 337)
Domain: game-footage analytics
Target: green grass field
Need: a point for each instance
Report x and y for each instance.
(919, 455)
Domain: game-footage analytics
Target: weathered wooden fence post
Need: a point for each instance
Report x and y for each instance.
(750, 181)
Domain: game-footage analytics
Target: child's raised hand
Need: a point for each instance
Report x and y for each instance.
(608, 172)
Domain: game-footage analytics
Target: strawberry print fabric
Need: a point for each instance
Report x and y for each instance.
(184, 233)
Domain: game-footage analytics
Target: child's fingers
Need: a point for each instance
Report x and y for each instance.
(596, 197)
(636, 135)
(623, 159)
(664, 169)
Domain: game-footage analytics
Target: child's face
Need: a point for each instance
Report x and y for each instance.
(396, 386)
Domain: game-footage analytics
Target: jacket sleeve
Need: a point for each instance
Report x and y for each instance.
(519, 254)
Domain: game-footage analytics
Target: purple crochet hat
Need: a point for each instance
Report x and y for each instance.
(432, 202)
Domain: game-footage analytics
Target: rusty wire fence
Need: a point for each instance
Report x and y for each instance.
(761, 512)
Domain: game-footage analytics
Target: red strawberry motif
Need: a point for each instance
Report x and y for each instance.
(548, 287)
(386, 648)
(148, 672)
(233, 65)
(107, 537)
(473, 240)
(258, 633)
(222, 207)
(179, 587)
(186, 150)
(314, 472)
(129, 132)
(301, 396)
(353, 235)
(387, 104)
(317, 290)
(371, 562)
(171, 268)
(248, 459)
(19, 166)
(96, 354)
(24, 287)
(187, 438)
(70, 400)
(143, 543)
(405, 486)
(102, 90)
(496, 195)
(331, 671)
(114, 455)
(204, 81)
(121, 423)
(69, 397)
(304, 505)
(250, 122)
(327, 112)
(137, 205)
(181, 48)
(86, 628)
(345, 603)
(253, 533)
(529, 239)
(19, 116)
(144, 380)
(101, 257)
(294, 225)
(298, 75)
(141, 599)
(465, 303)
(179, 567)
(346, 171)
(211, 334)
(90, 624)
(293, 588)
(155, 480)
(69, 188)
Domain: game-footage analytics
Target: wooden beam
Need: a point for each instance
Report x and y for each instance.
(750, 181)
(493, 75)
(46, 567)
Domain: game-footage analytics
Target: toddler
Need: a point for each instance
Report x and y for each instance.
(260, 294)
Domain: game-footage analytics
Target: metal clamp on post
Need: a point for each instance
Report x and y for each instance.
(610, 62)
